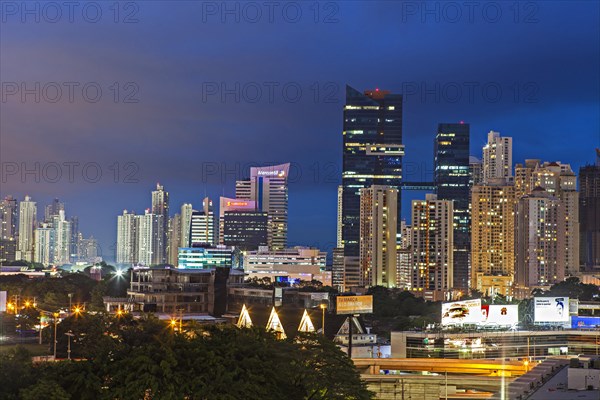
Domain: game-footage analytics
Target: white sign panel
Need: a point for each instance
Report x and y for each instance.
(2, 301)
(461, 312)
(500, 314)
(551, 309)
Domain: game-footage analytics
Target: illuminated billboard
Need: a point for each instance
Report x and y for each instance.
(462, 312)
(500, 314)
(228, 204)
(273, 171)
(355, 304)
(551, 309)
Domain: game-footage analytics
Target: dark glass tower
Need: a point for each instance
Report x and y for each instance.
(372, 155)
(451, 178)
(589, 214)
(246, 230)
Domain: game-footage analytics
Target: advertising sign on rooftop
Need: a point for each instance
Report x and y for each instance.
(551, 309)
(462, 312)
(355, 304)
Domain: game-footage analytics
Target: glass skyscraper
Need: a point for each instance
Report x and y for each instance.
(451, 178)
(372, 154)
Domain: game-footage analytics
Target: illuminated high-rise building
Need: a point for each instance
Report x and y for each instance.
(493, 237)
(174, 241)
(452, 181)
(242, 225)
(589, 214)
(9, 217)
(405, 259)
(372, 155)
(378, 224)
(160, 206)
(44, 244)
(203, 225)
(539, 248)
(62, 239)
(52, 210)
(27, 225)
(268, 187)
(497, 158)
(475, 171)
(558, 180)
(432, 247)
(127, 238)
(186, 224)
(150, 247)
(339, 224)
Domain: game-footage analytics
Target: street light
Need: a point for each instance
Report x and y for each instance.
(173, 324)
(70, 335)
(55, 338)
(323, 308)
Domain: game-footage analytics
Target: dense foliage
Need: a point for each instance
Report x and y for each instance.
(124, 358)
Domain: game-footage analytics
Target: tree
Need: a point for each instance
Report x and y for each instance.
(44, 389)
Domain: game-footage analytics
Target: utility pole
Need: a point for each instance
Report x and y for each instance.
(69, 334)
(55, 338)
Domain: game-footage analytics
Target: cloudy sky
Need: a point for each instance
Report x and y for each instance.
(102, 100)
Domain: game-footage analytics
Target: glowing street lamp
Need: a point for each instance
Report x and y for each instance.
(323, 308)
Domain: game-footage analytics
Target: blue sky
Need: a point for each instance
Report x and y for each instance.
(168, 110)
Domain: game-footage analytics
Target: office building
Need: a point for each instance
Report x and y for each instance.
(203, 225)
(492, 234)
(378, 229)
(475, 171)
(150, 245)
(246, 230)
(339, 224)
(539, 248)
(432, 247)
(337, 269)
(268, 188)
(292, 264)
(8, 250)
(589, 214)
(372, 155)
(75, 236)
(497, 158)
(160, 206)
(27, 225)
(452, 181)
(127, 239)
(88, 250)
(207, 257)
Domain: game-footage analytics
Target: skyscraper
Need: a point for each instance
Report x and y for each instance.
(203, 225)
(27, 225)
(127, 239)
(52, 210)
(404, 274)
(268, 187)
(9, 217)
(372, 155)
(560, 181)
(497, 157)
(589, 214)
(75, 236)
(475, 171)
(242, 225)
(160, 206)
(432, 244)
(150, 247)
(493, 237)
(44, 244)
(452, 181)
(378, 224)
(62, 239)
(540, 249)
(339, 225)
(186, 225)
(174, 241)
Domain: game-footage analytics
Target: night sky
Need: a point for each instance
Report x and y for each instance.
(168, 110)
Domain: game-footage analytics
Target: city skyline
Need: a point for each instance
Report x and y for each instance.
(178, 132)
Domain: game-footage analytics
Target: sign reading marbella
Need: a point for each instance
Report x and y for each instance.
(355, 304)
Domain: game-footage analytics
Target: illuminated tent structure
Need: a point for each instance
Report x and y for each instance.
(274, 324)
(244, 321)
(306, 324)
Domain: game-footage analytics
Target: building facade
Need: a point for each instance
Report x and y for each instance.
(27, 225)
(452, 181)
(432, 246)
(378, 232)
(589, 215)
(203, 225)
(497, 158)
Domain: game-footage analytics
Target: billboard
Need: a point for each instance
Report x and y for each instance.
(355, 304)
(585, 322)
(462, 312)
(551, 309)
(500, 314)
